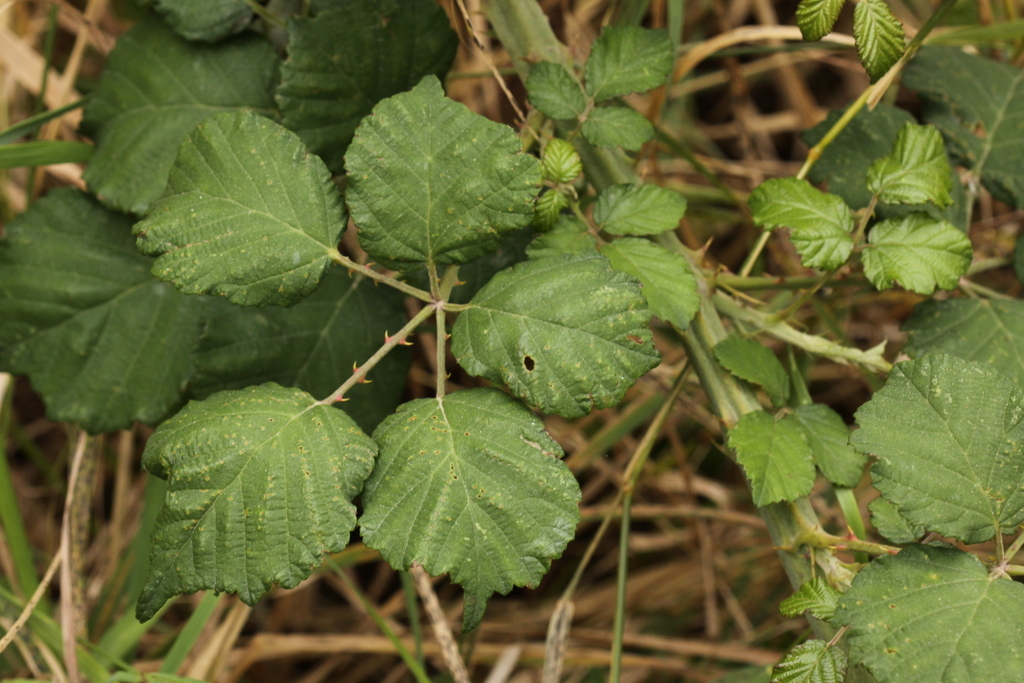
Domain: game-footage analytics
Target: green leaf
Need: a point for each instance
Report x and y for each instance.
(934, 615)
(617, 127)
(627, 59)
(817, 17)
(829, 437)
(561, 162)
(568, 236)
(44, 153)
(978, 104)
(209, 20)
(888, 521)
(775, 456)
(879, 37)
(815, 596)
(430, 181)
(917, 252)
(960, 422)
(548, 209)
(986, 330)
(350, 57)
(154, 89)
(666, 277)
(554, 91)
(247, 214)
(102, 340)
(820, 224)
(312, 345)
(916, 171)
(811, 662)
(638, 209)
(567, 334)
(750, 360)
(470, 485)
(259, 487)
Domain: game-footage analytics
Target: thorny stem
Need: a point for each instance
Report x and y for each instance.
(381, 277)
(1015, 546)
(443, 289)
(814, 537)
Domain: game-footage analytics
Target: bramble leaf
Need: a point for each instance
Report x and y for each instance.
(986, 330)
(811, 662)
(888, 521)
(879, 36)
(470, 485)
(568, 236)
(815, 596)
(312, 346)
(561, 162)
(935, 615)
(817, 17)
(617, 127)
(209, 20)
(666, 277)
(917, 252)
(154, 89)
(567, 334)
(915, 172)
(247, 214)
(103, 341)
(829, 437)
(554, 91)
(978, 104)
(959, 421)
(638, 209)
(548, 210)
(348, 58)
(820, 224)
(627, 59)
(750, 360)
(775, 456)
(430, 181)
(259, 487)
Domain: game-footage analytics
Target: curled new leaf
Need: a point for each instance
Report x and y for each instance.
(879, 36)
(817, 17)
(259, 487)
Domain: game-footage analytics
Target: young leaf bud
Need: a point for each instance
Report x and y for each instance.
(560, 162)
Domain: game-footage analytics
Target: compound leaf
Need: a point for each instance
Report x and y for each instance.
(638, 209)
(567, 334)
(470, 485)
(312, 345)
(209, 20)
(986, 330)
(817, 17)
(916, 171)
(918, 252)
(829, 437)
(816, 596)
(617, 127)
(154, 89)
(103, 341)
(247, 214)
(627, 59)
(430, 181)
(978, 104)
(750, 360)
(346, 59)
(568, 236)
(554, 91)
(959, 421)
(811, 662)
(820, 224)
(888, 521)
(879, 36)
(666, 277)
(775, 456)
(259, 487)
(934, 615)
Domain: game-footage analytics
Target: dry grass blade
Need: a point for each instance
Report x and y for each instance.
(443, 632)
(30, 606)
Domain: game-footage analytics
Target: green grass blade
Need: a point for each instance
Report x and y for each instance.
(44, 153)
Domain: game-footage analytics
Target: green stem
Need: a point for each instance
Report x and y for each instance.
(381, 277)
(1015, 546)
(10, 516)
(756, 284)
(815, 537)
(443, 290)
(752, 257)
(621, 577)
(412, 608)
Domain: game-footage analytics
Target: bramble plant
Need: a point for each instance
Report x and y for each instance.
(202, 287)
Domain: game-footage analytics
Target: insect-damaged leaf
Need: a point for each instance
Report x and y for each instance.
(247, 214)
(567, 334)
(259, 487)
(430, 181)
(470, 485)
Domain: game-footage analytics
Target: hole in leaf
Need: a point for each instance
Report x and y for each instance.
(528, 363)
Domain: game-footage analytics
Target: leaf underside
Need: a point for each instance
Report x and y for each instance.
(259, 487)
